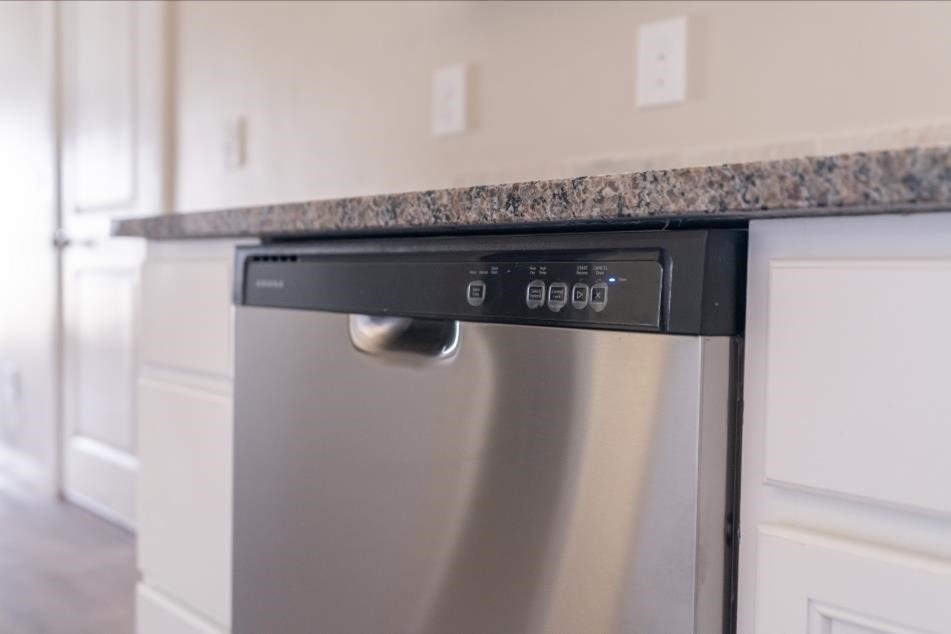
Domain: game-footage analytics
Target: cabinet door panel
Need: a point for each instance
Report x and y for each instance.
(184, 544)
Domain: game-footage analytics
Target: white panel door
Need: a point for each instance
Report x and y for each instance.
(114, 141)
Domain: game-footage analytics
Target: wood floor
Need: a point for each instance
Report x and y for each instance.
(62, 570)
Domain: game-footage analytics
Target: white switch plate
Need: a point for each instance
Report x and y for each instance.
(235, 141)
(449, 100)
(662, 63)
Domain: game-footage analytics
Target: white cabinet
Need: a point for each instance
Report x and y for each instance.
(846, 482)
(185, 439)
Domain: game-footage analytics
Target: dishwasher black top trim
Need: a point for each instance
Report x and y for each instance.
(678, 282)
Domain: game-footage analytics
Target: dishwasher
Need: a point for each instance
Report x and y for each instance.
(511, 434)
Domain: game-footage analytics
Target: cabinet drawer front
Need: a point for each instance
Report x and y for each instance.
(188, 315)
(857, 398)
(156, 614)
(812, 583)
(185, 495)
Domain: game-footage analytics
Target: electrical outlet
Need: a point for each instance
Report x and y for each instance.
(235, 141)
(662, 63)
(449, 100)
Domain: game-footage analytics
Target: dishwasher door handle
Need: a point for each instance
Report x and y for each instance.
(375, 335)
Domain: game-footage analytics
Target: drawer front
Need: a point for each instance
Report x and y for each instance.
(187, 315)
(857, 398)
(185, 495)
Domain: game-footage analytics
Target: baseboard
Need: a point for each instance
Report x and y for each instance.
(99, 509)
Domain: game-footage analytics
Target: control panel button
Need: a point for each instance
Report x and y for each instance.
(599, 297)
(535, 294)
(557, 296)
(475, 293)
(579, 295)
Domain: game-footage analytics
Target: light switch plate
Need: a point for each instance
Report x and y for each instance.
(449, 100)
(662, 63)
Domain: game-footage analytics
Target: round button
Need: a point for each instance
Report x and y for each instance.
(535, 294)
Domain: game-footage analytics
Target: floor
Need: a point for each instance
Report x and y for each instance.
(62, 570)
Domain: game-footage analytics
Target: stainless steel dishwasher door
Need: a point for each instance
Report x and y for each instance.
(536, 480)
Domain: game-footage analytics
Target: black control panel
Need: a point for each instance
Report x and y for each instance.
(605, 292)
(650, 281)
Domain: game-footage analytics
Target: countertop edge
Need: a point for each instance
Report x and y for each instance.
(903, 181)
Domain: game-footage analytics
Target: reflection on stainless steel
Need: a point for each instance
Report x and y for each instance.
(538, 481)
(373, 334)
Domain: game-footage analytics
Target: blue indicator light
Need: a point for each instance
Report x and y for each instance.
(610, 279)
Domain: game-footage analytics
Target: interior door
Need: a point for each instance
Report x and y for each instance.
(114, 153)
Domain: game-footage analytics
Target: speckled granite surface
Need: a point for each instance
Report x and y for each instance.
(905, 180)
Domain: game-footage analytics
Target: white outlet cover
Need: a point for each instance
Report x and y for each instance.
(449, 100)
(662, 63)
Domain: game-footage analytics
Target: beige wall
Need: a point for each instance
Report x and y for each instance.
(337, 95)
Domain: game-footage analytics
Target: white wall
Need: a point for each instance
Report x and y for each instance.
(27, 260)
(336, 95)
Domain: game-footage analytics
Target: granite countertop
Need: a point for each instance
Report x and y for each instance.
(901, 181)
